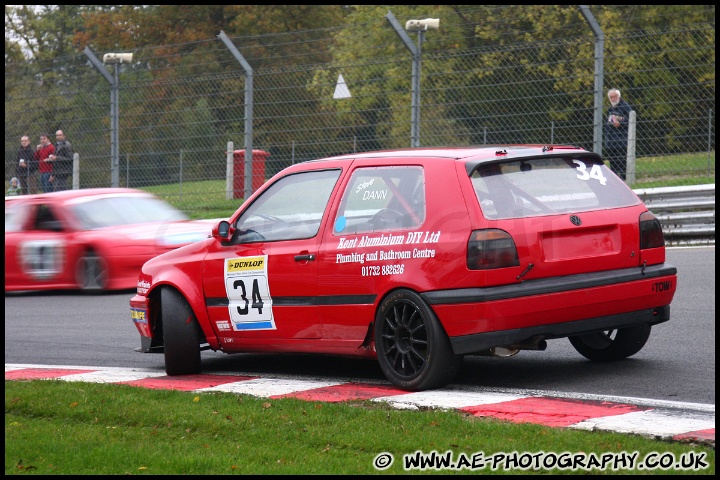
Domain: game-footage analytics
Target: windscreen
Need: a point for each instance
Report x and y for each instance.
(124, 210)
(547, 186)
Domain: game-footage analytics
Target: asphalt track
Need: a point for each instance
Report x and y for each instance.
(674, 421)
(677, 364)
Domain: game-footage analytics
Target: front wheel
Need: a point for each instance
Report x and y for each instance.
(611, 344)
(181, 334)
(413, 349)
(91, 272)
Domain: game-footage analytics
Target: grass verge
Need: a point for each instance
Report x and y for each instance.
(62, 428)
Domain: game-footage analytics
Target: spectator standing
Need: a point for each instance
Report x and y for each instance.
(62, 161)
(15, 188)
(616, 132)
(44, 150)
(27, 165)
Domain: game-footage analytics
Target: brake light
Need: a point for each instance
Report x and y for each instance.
(651, 234)
(491, 248)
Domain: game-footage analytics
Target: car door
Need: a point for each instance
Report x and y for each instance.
(263, 283)
(37, 250)
(369, 243)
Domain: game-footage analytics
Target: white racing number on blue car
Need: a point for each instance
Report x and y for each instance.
(248, 292)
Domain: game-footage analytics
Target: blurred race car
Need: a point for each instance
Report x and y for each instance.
(91, 239)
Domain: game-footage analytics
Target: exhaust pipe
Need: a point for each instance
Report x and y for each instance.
(534, 343)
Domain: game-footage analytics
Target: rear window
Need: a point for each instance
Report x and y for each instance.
(547, 186)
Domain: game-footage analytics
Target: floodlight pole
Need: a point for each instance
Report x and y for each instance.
(114, 82)
(415, 51)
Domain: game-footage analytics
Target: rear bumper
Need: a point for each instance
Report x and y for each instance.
(476, 319)
(549, 285)
(483, 341)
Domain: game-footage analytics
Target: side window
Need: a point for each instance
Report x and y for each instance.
(382, 198)
(289, 209)
(45, 219)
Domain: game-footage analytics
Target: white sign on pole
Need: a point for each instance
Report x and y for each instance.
(341, 89)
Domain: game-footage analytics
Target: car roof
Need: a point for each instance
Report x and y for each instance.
(474, 154)
(65, 195)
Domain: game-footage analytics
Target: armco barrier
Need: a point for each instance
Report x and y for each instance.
(687, 214)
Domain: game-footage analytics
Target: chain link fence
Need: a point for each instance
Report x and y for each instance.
(335, 91)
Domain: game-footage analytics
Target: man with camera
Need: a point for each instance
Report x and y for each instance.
(62, 161)
(616, 133)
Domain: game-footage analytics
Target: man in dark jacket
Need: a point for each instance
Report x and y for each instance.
(27, 165)
(616, 133)
(62, 161)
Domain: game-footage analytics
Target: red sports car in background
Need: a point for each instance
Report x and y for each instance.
(418, 257)
(91, 239)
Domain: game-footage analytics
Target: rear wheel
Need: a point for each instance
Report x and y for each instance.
(91, 272)
(181, 334)
(413, 349)
(611, 344)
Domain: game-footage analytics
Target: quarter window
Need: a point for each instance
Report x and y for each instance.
(382, 199)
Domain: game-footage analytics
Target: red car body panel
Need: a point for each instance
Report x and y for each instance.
(39, 258)
(567, 274)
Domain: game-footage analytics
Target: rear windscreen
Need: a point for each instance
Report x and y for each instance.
(547, 186)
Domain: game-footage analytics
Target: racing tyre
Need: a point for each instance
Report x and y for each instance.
(413, 349)
(91, 272)
(611, 344)
(181, 334)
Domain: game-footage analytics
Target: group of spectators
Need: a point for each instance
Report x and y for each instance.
(50, 164)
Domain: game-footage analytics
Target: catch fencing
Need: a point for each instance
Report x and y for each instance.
(350, 89)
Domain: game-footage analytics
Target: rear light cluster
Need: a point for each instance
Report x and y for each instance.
(651, 235)
(491, 248)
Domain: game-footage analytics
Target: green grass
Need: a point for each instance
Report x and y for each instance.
(675, 170)
(63, 428)
(206, 199)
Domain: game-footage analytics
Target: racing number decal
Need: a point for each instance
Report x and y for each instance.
(42, 259)
(256, 298)
(248, 292)
(595, 172)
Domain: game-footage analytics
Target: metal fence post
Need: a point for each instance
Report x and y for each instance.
(76, 171)
(632, 139)
(248, 111)
(599, 72)
(229, 171)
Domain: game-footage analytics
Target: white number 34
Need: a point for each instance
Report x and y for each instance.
(595, 172)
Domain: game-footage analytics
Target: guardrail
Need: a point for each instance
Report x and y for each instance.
(687, 214)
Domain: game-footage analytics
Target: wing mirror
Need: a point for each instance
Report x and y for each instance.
(222, 230)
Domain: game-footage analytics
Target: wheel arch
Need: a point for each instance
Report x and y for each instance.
(187, 289)
(381, 299)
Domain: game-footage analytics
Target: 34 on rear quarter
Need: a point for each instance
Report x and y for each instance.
(418, 257)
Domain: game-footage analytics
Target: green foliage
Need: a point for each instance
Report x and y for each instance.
(68, 428)
(490, 74)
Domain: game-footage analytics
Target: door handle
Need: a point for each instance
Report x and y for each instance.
(305, 257)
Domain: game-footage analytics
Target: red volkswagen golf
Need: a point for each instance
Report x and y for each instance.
(418, 257)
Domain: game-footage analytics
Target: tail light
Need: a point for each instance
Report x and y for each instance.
(651, 235)
(491, 248)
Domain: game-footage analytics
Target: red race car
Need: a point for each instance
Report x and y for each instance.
(91, 239)
(418, 257)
